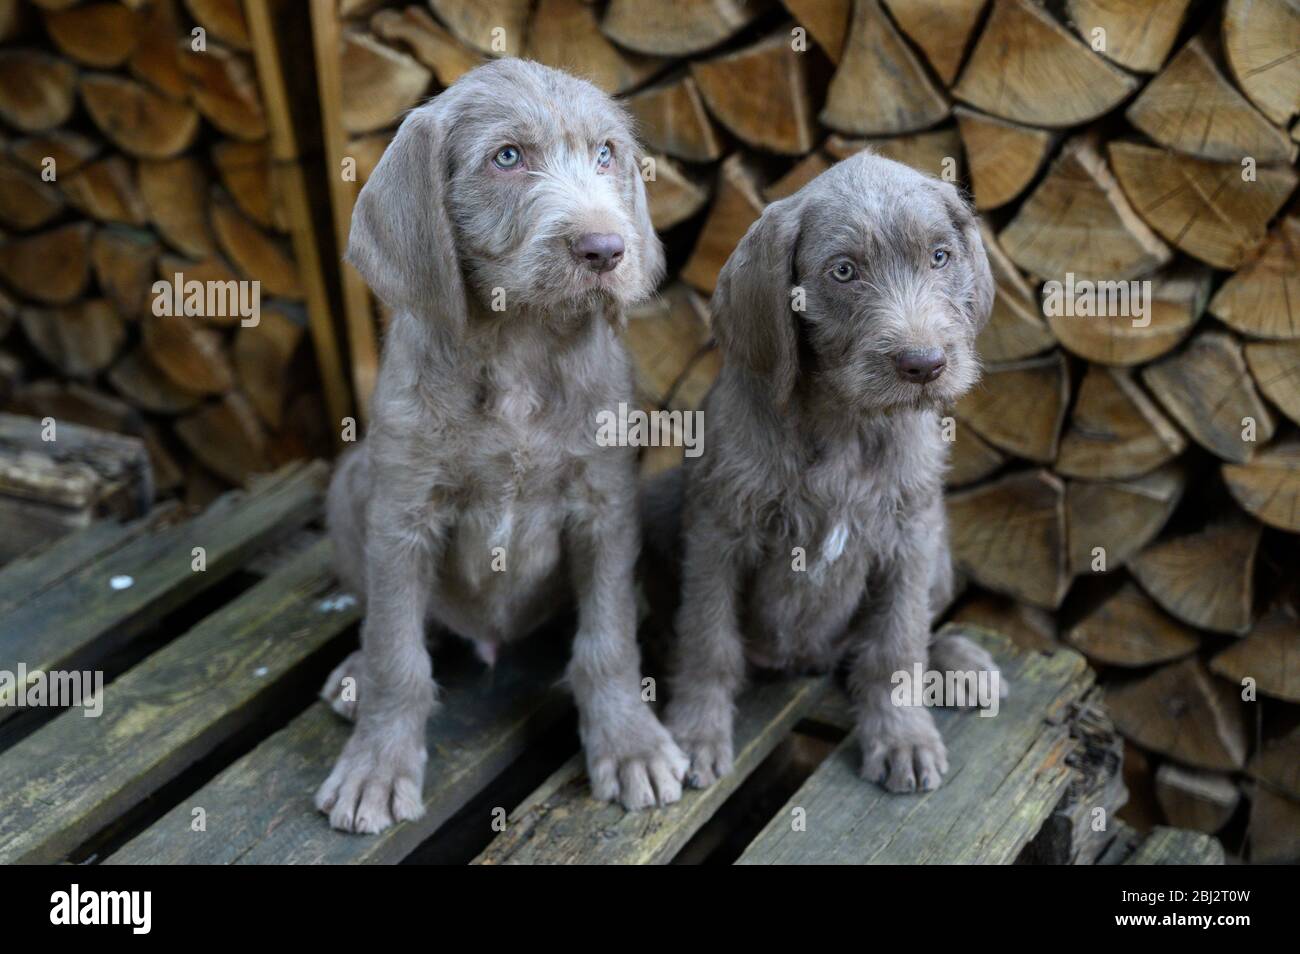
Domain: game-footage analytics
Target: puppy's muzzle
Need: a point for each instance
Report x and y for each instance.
(599, 251)
(920, 365)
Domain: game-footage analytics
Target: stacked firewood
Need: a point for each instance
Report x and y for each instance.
(1127, 484)
(136, 146)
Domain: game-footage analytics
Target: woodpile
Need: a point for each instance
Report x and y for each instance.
(1127, 483)
(138, 142)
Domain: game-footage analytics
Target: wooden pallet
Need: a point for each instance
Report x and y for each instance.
(210, 744)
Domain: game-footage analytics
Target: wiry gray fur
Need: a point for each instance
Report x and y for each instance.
(816, 442)
(483, 428)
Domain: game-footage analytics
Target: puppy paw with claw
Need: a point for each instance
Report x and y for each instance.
(953, 653)
(340, 689)
(903, 751)
(706, 740)
(377, 782)
(640, 766)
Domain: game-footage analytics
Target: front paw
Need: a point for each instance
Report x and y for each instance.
(637, 764)
(955, 653)
(706, 740)
(377, 782)
(902, 750)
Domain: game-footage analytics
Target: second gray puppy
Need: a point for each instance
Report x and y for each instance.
(847, 318)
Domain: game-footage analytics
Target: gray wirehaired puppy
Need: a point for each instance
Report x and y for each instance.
(847, 319)
(506, 228)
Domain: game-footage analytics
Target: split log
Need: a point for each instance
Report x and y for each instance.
(666, 334)
(379, 82)
(1130, 630)
(1077, 220)
(1028, 68)
(366, 151)
(1118, 517)
(26, 202)
(51, 267)
(1275, 366)
(76, 403)
(223, 19)
(1003, 156)
(428, 42)
(1114, 333)
(1183, 712)
(191, 357)
(138, 380)
(256, 255)
(941, 29)
(206, 271)
(70, 151)
(1206, 578)
(1029, 627)
(156, 59)
(175, 191)
(760, 93)
(1191, 107)
(826, 20)
(1274, 828)
(972, 458)
(737, 204)
(1259, 38)
(245, 170)
(1277, 765)
(37, 91)
(262, 355)
(1115, 430)
(123, 260)
(935, 152)
(880, 87)
(477, 23)
(1195, 799)
(1009, 536)
(672, 118)
(1138, 45)
(566, 34)
(1019, 407)
(106, 190)
(1015, 329)
(227, 438)
(1269, 486)
(1269, 656)
(673, 195)
(1257, 299)
(1205, 208)
(136, 119)
(223, 85)
(1207, 389)
(102, 35)
(674, 27)
(800, 174)
(80, 339)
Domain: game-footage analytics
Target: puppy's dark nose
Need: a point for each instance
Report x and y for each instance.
(601, 251)
(921, 365)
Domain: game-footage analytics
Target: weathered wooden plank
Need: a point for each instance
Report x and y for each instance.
(1177, 846)
(106, 602)
(561, 824)
(485, 722)
(76, 774)
(1007, 773)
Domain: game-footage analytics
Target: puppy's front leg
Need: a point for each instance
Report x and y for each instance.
(901, 746)
(709, 662)
(630, 755)
(379, 778)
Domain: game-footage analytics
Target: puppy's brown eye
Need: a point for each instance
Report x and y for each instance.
(939, 259)
(604, 156)
(844, 272)
(507, 157)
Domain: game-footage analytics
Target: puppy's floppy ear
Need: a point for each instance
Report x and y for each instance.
(753, 318)
(401, 240)
(979, 300)
(652, 250)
